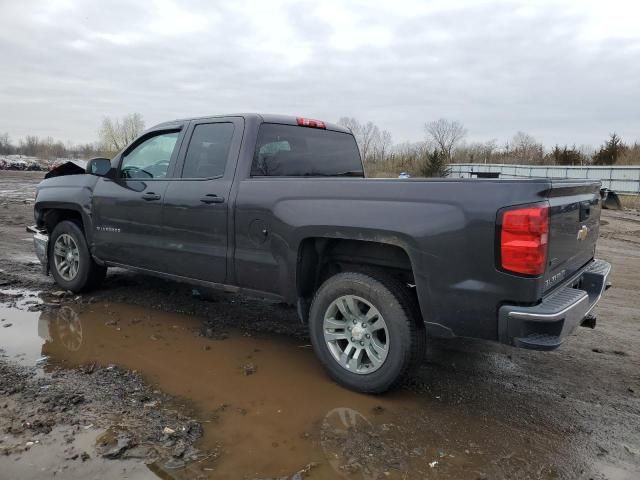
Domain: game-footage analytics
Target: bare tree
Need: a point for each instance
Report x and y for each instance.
(368, 135)
(475, 152)
(364, 134)
(350, 123)
(384, 145)
(587, 151)
(374, 143)
(630, 155)
(45, 149)
(30, 145)
(5, 144)
(133, 126)
(488, 150)
(526, 149)
(115, 134)
(445, 134)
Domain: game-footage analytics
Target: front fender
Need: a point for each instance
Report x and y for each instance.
(73, 192)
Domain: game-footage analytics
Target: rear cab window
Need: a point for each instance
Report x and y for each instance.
(296, 151)
(208, 150)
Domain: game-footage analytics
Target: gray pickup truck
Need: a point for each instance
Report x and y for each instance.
(279, 207)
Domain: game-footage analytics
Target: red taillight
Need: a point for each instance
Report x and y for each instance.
(524, 238)
(308, 122)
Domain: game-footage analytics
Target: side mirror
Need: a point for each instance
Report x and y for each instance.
(99, 166)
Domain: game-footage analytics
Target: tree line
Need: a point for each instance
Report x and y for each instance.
(114, 134)
(46, 148)
(443, 143)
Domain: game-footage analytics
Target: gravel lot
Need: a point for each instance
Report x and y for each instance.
(146, 378)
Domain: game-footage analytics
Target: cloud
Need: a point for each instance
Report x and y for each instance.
(563, 72)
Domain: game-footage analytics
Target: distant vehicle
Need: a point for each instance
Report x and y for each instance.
(404, 175)
(279, 207)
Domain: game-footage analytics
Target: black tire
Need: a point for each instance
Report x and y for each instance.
(89, 274)
(397, 304)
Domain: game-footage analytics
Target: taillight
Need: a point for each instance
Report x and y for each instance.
(308, 122)
(524, 238)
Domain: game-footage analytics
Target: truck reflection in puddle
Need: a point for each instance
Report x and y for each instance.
(65, 324)
(268, 403)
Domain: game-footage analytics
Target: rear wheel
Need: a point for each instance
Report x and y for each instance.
(70, 262)
(366, 331)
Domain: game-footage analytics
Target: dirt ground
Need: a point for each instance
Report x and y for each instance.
(147, 378)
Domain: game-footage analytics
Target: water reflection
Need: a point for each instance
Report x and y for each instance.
(339, 423)
(270, 422)
(61, 326)
(286, 415)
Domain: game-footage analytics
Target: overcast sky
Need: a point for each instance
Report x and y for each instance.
(565, 71)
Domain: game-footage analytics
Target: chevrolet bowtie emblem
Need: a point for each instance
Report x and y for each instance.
(582, 233)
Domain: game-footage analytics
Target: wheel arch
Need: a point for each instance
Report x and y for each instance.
(320, 257)
(48, 215)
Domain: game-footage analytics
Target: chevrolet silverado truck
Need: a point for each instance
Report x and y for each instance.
(279, 207)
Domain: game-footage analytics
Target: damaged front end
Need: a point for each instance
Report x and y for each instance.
(72, 167)
(58, 189)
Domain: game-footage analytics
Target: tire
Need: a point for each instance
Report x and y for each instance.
(375, 370)
(85, 274)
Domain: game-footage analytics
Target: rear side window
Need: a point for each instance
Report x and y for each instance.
(208, 151)
(293, 151)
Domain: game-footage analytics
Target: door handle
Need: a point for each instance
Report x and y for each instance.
(212, 198)
(151, 196)
(585, 210)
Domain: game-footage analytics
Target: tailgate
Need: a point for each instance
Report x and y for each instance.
(574, 221)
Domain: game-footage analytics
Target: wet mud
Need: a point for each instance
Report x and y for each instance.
(268, 410)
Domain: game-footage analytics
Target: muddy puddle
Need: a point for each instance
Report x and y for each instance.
(268, 409)
(34, 463)
(17, 323)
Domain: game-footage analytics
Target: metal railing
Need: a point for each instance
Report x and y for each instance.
(622, 179)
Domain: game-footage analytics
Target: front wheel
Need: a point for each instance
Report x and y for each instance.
(70, 261)
(365, 331)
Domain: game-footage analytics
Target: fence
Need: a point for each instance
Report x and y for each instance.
(621, 179)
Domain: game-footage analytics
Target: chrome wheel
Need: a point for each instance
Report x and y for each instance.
(69, 328)
(356, 334)
(66, 256)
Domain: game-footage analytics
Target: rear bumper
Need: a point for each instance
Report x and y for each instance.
(546, 325)
(40, 245)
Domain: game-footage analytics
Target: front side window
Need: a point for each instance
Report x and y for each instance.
(151, 158)
(294, 151)
(208, 151)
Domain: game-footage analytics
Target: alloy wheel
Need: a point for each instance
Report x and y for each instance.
(356, 334)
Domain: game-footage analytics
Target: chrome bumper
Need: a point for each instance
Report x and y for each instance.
(40, 245)
(544, 326)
